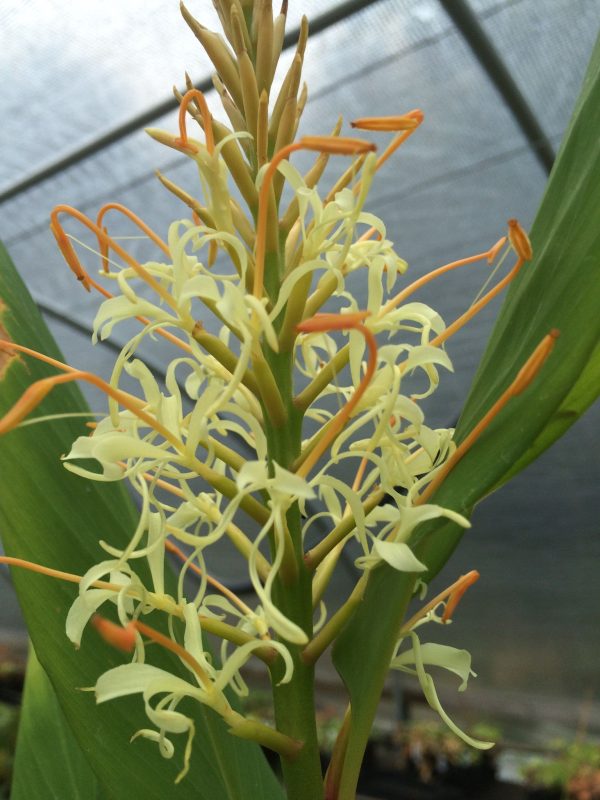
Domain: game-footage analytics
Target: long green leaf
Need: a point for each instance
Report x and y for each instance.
(55, 518)
(57, 772)
(560, 289)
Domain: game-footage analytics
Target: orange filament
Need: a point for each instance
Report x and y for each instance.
(490, 254)
(56, 573)
(169, 644)
(404, 122)
(195, 94)
(69, 254)
(136, 220)
(457, 593)
(493, 251)
(452, 595)
(5, 345)
(477, 307)
(122, 638)
(172, 548)
(519, 240)
(330, 322)
(335, 145)
(369, 235)
(418, 116)
(104, 241)
(35, 393)
(525, 376)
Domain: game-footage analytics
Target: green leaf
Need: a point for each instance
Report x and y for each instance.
(44, 773)
(559, 289)
(55, 518)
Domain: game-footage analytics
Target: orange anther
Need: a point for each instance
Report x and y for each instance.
(534, 363)
(70, 256)
(29, 400)
(519, 240)
(337, 145)
(198, 96)
(332, 322)
(458, 590)
(123, 638)
(404, 122)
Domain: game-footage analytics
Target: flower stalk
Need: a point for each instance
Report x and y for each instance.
(282, 383)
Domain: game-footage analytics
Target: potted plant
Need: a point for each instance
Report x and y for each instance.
(572, 773)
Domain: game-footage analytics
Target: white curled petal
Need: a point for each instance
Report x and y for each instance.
(430, 693)
(399, 556)
(439, 655)
(82, 609)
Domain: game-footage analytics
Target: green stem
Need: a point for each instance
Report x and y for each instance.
(323, 379)
(316, 647)
(294, 702)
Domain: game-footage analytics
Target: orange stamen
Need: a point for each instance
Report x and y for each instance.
(35, 393)
(103, 238)
(477, 307)
(418, 116)
(519, 240)
(369, 235)
(526, 374)
(336, 145)
(452, 594)
(404, 122)
(197, 95)
(172, 548)
(490, 254)
(69, 254)
(456, 595)
(56, 573)
(137, 221)
(5, 345)
(122, 638)
(169, 644)
(493, 251)
(415, 115)
(329, 322)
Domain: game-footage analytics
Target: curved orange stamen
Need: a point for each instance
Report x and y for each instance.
(56, 573)
(82, 275)
(220, 587)
(457, 593)
(195, 94)
(329, 322)
(335, 145)
(103, 238)
(490, 254)
(452, 594)
(122, 638)
(477, 307)
(137, 221)
(35, 393)
(169, 644)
